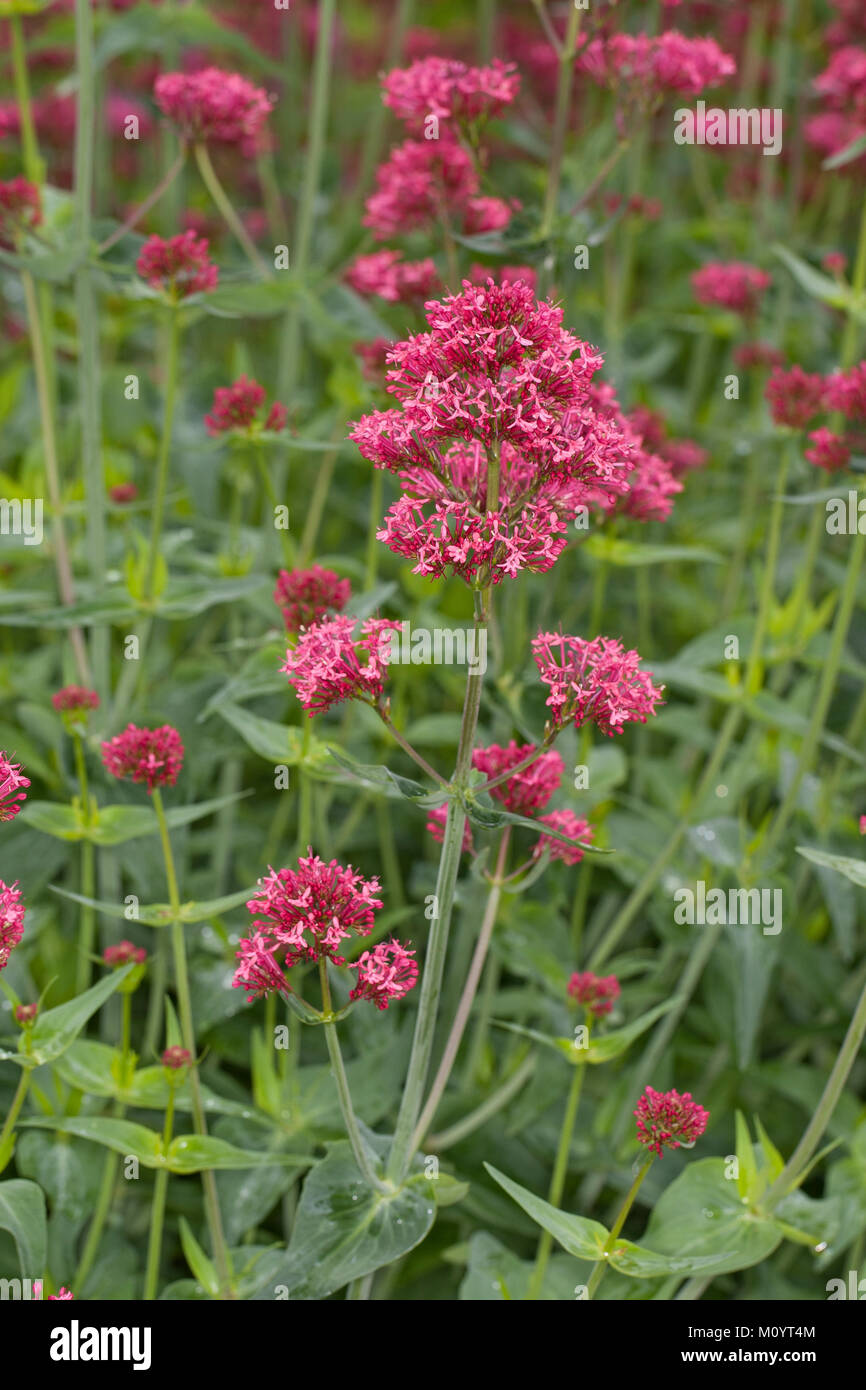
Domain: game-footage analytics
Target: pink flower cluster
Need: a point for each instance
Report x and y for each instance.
(214, 105)
(594, 680)
(386, 973)
(12, 779)
(20, 210)
(448, 89)
(652, 484)
(596, 993)
(578, 830)
(436, 828)
(154, 756)
(331, 663)
(306, 596)
(124, 953)
(530, 789)
(732, 285)
(11, 920)
(386, 274)
(424, 181)
(237, 407)
(496, 376)
(75, 700)
(842, 84)
(796, 397)
(643, 67)
(666, 1119)
(179, 266)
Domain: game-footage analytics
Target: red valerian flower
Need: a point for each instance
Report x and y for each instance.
(386, 973)
(306, 596)
(11, 920)
(20, 210)
(445, 87)
(420, 181)
(794, 396)
(154, 756)
(176, 1057)
(756, 354)
(596, 993)
(666, 1119)
(594, 680)
(179, 267)
(258, 972)
(237, 407)
(528, 790)
(496, 377)
(436, 819)
(75, 701)
(331, 664)
(123, 492)
(124, 953)
(26, 1014)
(828, 450)
(846, 392)
(642, 67)
(567, 823)
(387, 275)
(732, 285)
(213, 105)
(307, 912)
(11, 780)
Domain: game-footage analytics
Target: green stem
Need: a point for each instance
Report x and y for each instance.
(88, 919)
(34, 168)
(338, 1069)
(14, 1111)
(495, 1102)
(467, 998)
(564, 83)
(214, 1220)
(376, 496)
(157, 1210)
(814, 1131)
(226, 208)
(602, 1266)
(170, 400)
(557, 1182)
(437, 946)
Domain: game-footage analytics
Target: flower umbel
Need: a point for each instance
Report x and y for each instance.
(386, 973)
(596, 993)
(11, 920)
(597, 681)
(666, 1119)
(11, 780)
(331, 664)
(154, 756)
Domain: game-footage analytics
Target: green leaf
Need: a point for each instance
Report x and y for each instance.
(22, 1213)
(93, 1067)
(189, 1153)
(203, 1268)
(380, 776)
(613, 1044)
(193, 1153)
(819, 286)
(55, 1029)
(630, 553)
(278, 744)
(854, 869)
(576, 1234)
(258, 299)
(344, 1229)
(160, 914)
(702, 1215)
(748, 1184)
(146, 29)
(486, 814)
(852, 150)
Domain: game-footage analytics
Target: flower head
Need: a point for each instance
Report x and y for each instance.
(306, 913)
(237, 407)
(597, 681)
(846, 392)
(567, 823)
(732, 285)
(26, 1014)
(11, 920)
(386, 274)
(330, 663)
(213, 105)
(528, 790)
(258, 972)
(75, 702)
(795, 396)
(828, 450)
(596, 993)
(448, 89)
(123, 954)
(11, 780)
(176, 1057)
(20, 210)
(643, 67)
(306, 596)
(387, 972)
(421, 180)
(666, 1119)
(154, 756)
(179, 267)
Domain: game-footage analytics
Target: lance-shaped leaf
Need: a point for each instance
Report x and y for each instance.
(391, 782)
(854, 869)
(160, 914)
(22, 1214)
(56, 1029)
(188, 1153)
